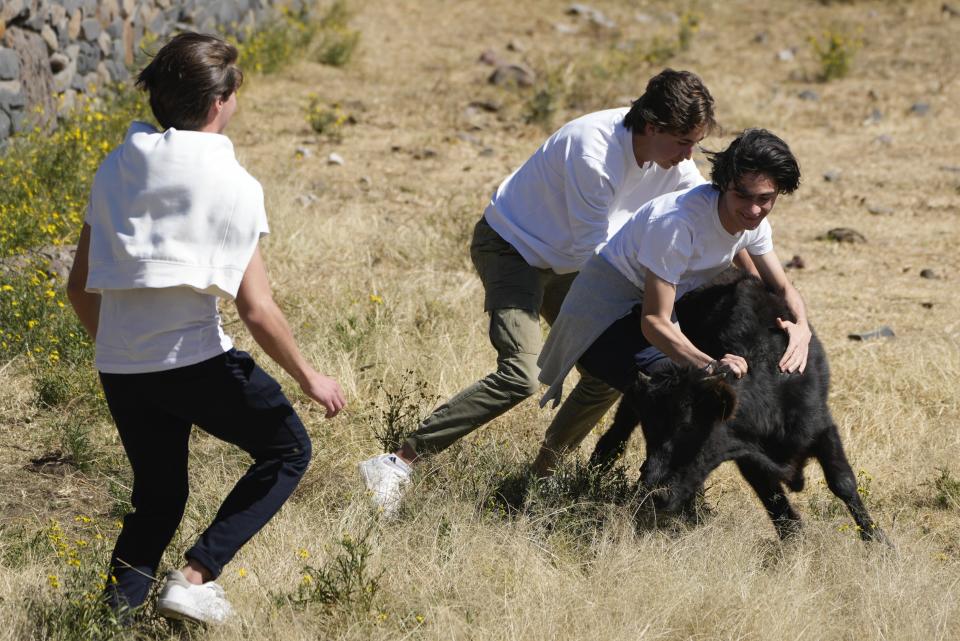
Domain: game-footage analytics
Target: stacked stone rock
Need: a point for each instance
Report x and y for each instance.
(53, 50)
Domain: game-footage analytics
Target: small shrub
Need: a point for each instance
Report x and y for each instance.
(337, 40)
(35, 319)
(579, 499)
(834, 51)
(661, 50)
(946, 490)
(18, 548)
(358, 327)
(77, 444)
(276, 44)
(327, 120)
(46, 177)
(345, 582)
(549, 95)
(398, 411)
(689, 26)
(71, 607)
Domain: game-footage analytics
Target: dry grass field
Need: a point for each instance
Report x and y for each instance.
(370, 261)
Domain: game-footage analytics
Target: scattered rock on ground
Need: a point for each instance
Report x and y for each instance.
(303, 152)
(950, 10)
(926, 305)
(882, 332)
(879, 210)
(335, 159)
(489, 57)
(54, 462)
(809, 94)
(796, 262)
(485, 105)
(875, 116)
(785, 55)
(884, 139)
(305, 200)
(928, 274)
(843, 235)
(920, 109)
(832, 176)
(951, 168)
(465, 137)
(513, 75)
(56, 260)
(516, 46)
(595, 16)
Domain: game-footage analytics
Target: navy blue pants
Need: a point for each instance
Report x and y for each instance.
(622, 351)
(229, 397)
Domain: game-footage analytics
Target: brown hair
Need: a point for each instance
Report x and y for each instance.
(755, 151)
(187, 76)
(675, 101)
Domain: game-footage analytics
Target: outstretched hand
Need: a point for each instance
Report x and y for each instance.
(798, 346)
(326, 391)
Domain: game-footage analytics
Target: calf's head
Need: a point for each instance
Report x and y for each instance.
(681, 412)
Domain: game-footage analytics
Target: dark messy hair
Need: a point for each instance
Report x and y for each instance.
(187, 76)
(675, 101)
(755, 151)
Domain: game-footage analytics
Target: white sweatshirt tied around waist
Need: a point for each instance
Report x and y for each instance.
(173, 209)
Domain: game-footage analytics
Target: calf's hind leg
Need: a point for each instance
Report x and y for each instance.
(843, 483)
(771, 493)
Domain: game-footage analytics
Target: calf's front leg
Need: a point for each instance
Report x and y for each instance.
(771, 493)
(613, 443)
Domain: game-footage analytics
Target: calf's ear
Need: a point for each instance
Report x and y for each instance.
(716, 399)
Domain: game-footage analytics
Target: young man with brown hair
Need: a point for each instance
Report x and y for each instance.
(172, 225)
(544, 221)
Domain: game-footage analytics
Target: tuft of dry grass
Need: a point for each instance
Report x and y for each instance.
(370, 262)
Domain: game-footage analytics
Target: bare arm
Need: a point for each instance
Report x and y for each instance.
(85, 304)
(657, 328)
(771, 271)
(744, 261)
(269, 328)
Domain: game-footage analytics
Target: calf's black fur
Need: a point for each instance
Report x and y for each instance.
(770, 423)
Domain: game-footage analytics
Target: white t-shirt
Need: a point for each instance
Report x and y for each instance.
(577, 190)
(150, 330)
(173, 208)
(174, 220)
(679, 238)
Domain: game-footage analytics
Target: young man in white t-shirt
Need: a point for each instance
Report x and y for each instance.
(670, 246)
(544, 221)
(172, 225)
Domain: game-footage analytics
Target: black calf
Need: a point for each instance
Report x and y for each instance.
(770, 423)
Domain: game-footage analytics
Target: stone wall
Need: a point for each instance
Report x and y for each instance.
(53, 50)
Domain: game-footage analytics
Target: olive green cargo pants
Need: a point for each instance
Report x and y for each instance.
(516, 295)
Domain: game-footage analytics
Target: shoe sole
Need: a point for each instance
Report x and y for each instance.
(180, 612)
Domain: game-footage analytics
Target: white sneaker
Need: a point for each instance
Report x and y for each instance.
(385, 476)
(180, 599)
